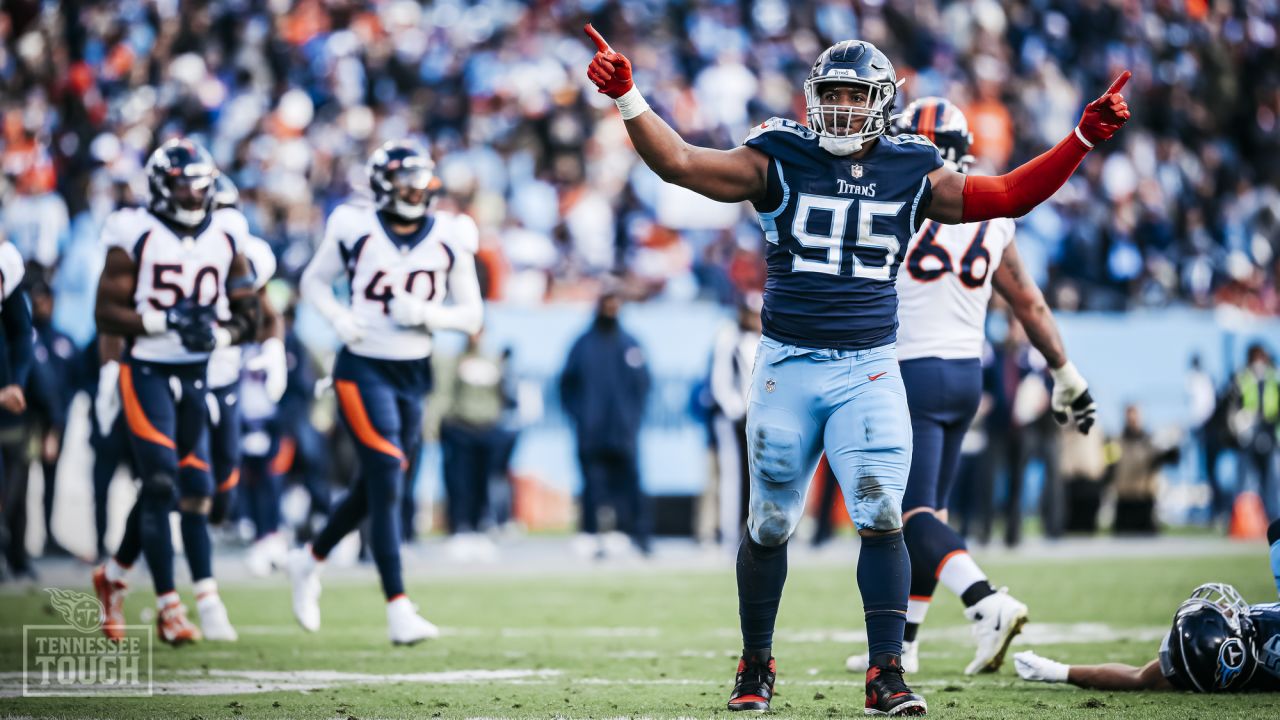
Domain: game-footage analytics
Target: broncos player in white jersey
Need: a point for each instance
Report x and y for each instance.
(943, 292)
(401, 260)
(176, 286)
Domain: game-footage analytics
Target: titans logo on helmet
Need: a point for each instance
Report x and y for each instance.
(1231, 659)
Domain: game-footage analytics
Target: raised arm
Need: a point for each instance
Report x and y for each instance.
(971, 198)
(724, 175)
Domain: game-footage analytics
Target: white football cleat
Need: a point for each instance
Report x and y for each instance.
(304, 575)
(858, 663)
(214, 623)
(267, 554)
(996, 620)
(1031, 666)
(405, 626)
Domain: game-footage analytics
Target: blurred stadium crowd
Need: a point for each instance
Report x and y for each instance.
(292, 96)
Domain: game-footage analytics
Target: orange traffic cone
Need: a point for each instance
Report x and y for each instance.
(1248, 518)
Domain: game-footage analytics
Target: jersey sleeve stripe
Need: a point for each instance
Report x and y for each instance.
(134, 415)
(768, 221)
(353, 410)
(139, 245)
(915, 204)
(230, 242)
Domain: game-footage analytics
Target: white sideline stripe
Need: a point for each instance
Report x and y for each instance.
(1033, 634)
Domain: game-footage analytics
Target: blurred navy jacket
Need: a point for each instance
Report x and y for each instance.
(604, 387)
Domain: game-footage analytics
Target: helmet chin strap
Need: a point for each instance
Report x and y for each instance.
(840, 145)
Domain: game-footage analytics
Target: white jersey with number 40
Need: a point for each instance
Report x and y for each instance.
(944, 286)
(174, 265)
(379, 268)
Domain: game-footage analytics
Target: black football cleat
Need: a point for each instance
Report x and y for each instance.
(753, 686)
(887, 692)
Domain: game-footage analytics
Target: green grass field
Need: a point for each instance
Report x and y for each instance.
(645, 642)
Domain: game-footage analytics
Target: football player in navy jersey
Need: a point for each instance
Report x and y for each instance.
(401, 261)
(838, 201)
(1218, 643)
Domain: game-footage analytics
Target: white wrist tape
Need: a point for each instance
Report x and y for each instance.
(1068, 376)
(632, 104)
(1080, 135)
(154, 322)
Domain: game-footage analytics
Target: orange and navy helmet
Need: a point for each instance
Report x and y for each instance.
(942, 122)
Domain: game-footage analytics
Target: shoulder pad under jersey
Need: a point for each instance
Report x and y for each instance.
(785, 140)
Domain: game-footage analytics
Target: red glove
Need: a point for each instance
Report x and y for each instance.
(609, 71)
(1104, 116)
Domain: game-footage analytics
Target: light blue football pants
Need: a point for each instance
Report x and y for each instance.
(850, 403)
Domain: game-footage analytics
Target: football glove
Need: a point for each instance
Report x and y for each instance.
(1031, 666)
(350, 329)
(409, 311)
(1104, 116)
(194, 325)
(1071, 400)
(609, 71)
(106, 404)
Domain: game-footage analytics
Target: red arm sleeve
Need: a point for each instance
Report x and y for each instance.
(1014, 194)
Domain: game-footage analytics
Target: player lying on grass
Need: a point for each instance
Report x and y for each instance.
(1218, 643)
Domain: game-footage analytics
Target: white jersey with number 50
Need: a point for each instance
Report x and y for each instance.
(944, 286)
(173, 266)
(379, 268)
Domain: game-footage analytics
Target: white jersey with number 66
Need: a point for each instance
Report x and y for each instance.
(944, 286)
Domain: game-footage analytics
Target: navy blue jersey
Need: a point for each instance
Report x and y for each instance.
(837, 229)
(1266, 639)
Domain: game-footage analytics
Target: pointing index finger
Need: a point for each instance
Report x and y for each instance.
(595, 35)
(1119, 82)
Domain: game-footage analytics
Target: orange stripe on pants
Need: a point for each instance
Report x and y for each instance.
(191, 461)
(134, 416)
(283, 461)
(358, 419)
(232, 480)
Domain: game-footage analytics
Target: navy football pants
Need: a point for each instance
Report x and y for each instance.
(164, 407)
(385, 416)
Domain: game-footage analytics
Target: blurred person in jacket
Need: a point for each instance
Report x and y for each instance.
(471, 401)
(50, 389)
(1136, 475)
(1254, 399)
(732, 358)
(16, 352)
(603, 389)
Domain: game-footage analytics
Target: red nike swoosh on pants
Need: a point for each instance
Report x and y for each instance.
(877, 376)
